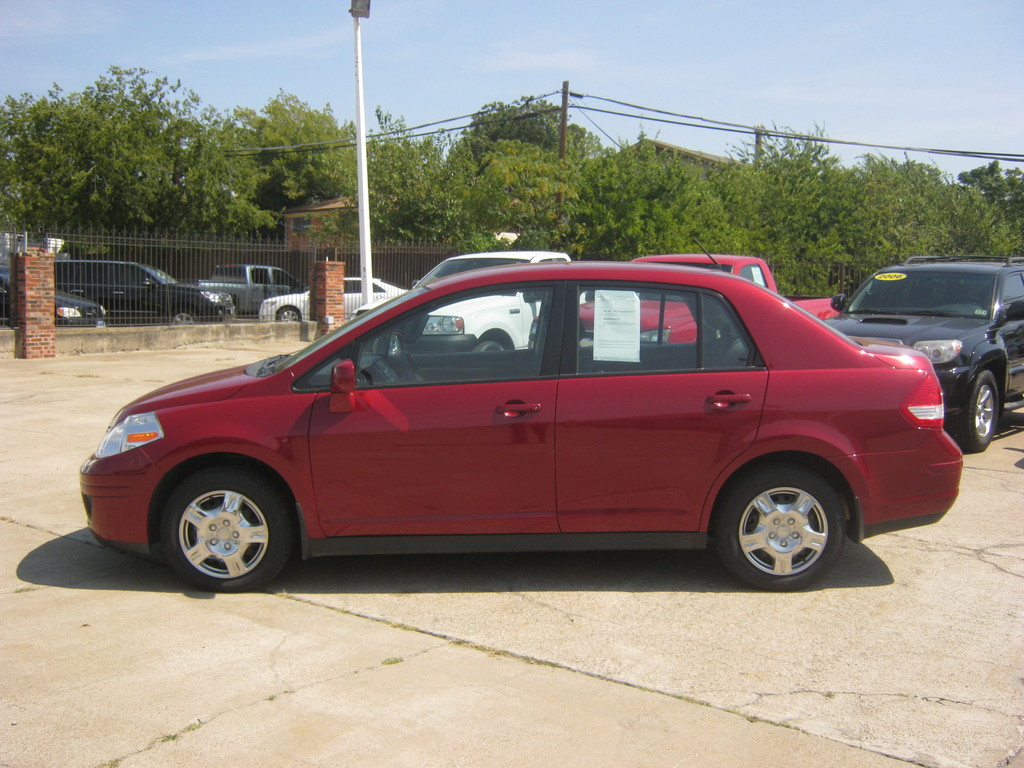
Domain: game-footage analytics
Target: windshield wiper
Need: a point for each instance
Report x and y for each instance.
(267, 366)
(931, 312)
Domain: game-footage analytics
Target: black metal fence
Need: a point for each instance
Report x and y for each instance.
(128, 272)
(102, 266)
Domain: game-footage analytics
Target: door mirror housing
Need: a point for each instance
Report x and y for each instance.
(343, 387)
(1015, 311)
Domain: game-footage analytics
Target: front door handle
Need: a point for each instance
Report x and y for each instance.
(723, 400)
(513, 409)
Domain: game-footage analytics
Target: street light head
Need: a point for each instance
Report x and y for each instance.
(360, 9)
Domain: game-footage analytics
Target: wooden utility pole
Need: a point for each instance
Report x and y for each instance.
(562, 134)
(565, 120)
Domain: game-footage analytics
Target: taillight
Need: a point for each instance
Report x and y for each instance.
(923, 407)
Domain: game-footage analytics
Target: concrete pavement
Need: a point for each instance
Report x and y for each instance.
(911, 653)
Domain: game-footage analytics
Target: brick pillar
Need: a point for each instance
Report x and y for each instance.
(32, 287)
(327, 298)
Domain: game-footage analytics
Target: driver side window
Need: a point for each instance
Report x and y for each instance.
(496, 335)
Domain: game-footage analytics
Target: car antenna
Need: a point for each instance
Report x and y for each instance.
(706, 251)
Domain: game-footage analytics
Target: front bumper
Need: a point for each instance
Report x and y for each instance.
(956, 387)
(116, 493)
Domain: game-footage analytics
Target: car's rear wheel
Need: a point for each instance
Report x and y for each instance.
(289, 315)
(975, 426)
(780, 528)
(227, 530)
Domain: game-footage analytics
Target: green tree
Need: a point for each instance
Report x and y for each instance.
(1003, 189)
(635, 201)
(130, 151)
(304, 155)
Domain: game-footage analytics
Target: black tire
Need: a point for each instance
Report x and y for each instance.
(182, 317)
(494, 341)
(780, 528)
(227, 530)
(975, 426)
(289, 314)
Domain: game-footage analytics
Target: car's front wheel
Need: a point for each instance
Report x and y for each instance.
(227, 530)
(975, 426)
(780, 528)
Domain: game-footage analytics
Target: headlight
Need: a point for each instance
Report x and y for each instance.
(68, 312)
(216, 298)
(443, 325)
(940, 351)
(130, 432)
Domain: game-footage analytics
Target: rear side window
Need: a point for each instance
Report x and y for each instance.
(755, 274)
(84, 272)
(631, 330)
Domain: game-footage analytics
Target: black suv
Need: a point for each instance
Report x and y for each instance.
(139, 293)
(967, 314)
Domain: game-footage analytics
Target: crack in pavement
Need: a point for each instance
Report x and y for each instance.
(206, 719)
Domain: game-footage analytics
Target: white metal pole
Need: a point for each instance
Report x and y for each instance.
(363, 186)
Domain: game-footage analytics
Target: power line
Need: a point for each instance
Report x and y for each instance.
(651, 114)
(408, 133)
(719, 125)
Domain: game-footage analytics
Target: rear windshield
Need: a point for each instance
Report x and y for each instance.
(453, 267)
(944, 293)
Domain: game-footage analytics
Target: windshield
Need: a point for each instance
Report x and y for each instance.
(932, 292)
(454, 266)
(159, 274)
(275, 364)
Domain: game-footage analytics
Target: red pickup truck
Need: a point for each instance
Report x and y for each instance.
(750, 267)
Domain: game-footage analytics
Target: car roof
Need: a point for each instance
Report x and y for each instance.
(964, 267)
(524, 255)
(696, 258)
(670, 274)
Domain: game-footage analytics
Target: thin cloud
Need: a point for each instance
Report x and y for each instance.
(320, 45)
(517, 57)
(52, 19)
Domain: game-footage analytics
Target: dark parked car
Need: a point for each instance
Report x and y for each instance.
(67, 309)
(139, 293)
(967, 315)
(747, 423)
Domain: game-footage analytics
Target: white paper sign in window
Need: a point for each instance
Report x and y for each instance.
(617, 326)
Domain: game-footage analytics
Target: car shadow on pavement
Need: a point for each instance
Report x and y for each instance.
(1010, 425)
(75, 562)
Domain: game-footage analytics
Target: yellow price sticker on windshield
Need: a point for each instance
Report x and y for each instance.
(890, 276)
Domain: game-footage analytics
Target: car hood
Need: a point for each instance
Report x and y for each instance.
(907, 329)
(62, 299)
(206, 388)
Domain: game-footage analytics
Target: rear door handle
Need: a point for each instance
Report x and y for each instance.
(516, 408)
(723, 400)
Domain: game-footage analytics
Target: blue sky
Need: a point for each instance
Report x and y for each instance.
(945, 74)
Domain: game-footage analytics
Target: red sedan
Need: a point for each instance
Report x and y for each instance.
(761, 430)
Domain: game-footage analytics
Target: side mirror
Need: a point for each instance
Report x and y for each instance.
(839, 302)
(343, 385)
(1015, 311)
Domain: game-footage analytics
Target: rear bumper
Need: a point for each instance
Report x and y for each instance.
(909, 489)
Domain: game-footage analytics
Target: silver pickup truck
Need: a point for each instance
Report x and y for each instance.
(251, 284)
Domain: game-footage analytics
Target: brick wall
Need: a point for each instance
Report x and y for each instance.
(327, 295)
(33, 315)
